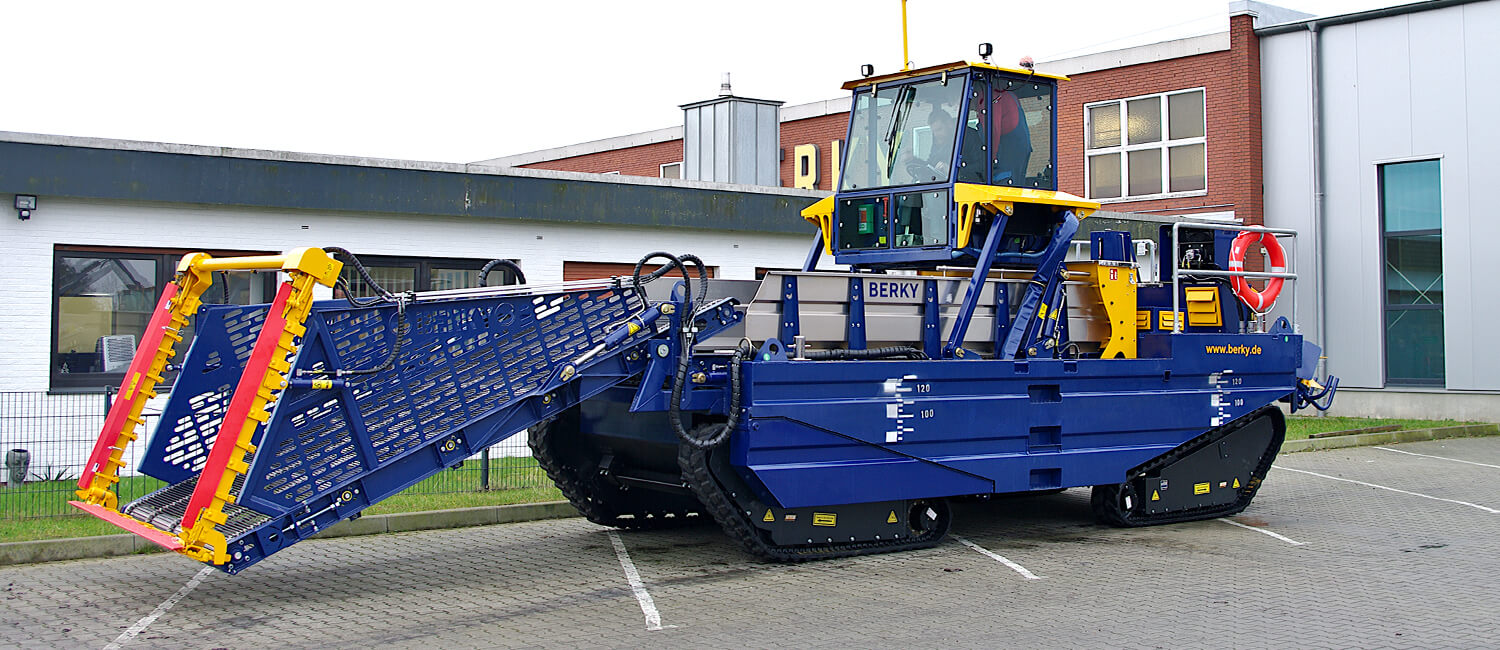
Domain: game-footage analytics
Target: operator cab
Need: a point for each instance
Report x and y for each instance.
(932, 155)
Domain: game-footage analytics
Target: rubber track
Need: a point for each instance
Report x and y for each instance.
(1106, 498)
(603, 507)
(714, 497)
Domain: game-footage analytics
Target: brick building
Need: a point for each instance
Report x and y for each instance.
(1190, 143)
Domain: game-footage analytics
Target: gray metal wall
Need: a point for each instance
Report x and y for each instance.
(732, 140)
(1408, 87)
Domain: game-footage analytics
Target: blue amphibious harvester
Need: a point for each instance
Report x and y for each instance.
(962, 351)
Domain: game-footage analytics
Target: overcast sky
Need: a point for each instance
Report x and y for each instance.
(465, 81)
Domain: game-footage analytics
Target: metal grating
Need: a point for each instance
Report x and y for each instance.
(190, 422)
(459, 360)
(317, 457)
(164, 508)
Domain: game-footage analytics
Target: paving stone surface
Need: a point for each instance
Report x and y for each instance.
(1375, 568)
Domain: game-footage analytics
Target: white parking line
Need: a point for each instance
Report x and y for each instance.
(147, 620)
(648, 606)
(1412, 453)
(998, 558)
(1263, 531)
(1415, 494)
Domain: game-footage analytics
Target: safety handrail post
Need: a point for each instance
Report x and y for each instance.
(1177, 264)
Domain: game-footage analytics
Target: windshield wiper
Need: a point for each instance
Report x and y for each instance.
(904, 100)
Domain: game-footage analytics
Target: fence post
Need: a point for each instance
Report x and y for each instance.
(109, 398)
(484, 469)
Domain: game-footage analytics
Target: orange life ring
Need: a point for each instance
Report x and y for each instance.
(1260, 301)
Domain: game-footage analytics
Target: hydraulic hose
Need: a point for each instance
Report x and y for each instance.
(892, 352)
(685, 343)
(673, 262)
(514, 268)
(382, 295)
(720, 433)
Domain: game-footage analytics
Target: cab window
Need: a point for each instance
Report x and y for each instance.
(1020, 114)
(903, 135)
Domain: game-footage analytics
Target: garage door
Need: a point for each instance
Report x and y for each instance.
(589, 270)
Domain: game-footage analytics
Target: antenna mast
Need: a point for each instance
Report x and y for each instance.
(905, 51)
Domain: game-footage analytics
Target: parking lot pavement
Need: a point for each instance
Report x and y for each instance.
(1377, 547)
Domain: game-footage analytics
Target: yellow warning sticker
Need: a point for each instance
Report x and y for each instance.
(1236, 481)
(1155, 495)
(769, 517)
(891, 519)
(825, 519)
(1200, 488)
(322, 384)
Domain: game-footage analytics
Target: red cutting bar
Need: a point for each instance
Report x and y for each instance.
(145, 353)
(239, 408)
(141, 530)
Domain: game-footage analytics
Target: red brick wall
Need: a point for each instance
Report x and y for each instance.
(821, 131)
(1231, 83)
(645, 160)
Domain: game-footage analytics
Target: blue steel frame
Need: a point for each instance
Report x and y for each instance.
(924, 429)
(471, 373)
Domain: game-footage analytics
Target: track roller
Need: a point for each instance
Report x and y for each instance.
(800, 534)
(1213, 475)
(573, 465)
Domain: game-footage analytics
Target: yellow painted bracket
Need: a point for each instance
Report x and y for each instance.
(312, 261)
(1117, 291)
(820, 214)
(971, 198)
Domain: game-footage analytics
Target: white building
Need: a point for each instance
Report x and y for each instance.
(1380, 147)
(112, 218)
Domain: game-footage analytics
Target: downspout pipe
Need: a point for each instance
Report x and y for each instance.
(1320, 220)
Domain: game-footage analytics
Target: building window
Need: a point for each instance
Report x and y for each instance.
(398, 274)
(672, 170)
(1411, 214)
(102, 299)
(1146, 147)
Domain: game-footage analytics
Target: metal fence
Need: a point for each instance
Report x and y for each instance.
(46, 439)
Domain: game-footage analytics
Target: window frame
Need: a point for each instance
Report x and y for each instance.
(1123, 150)
(662, 170)
(423, 267)
(1385, 305)
(165, 260)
